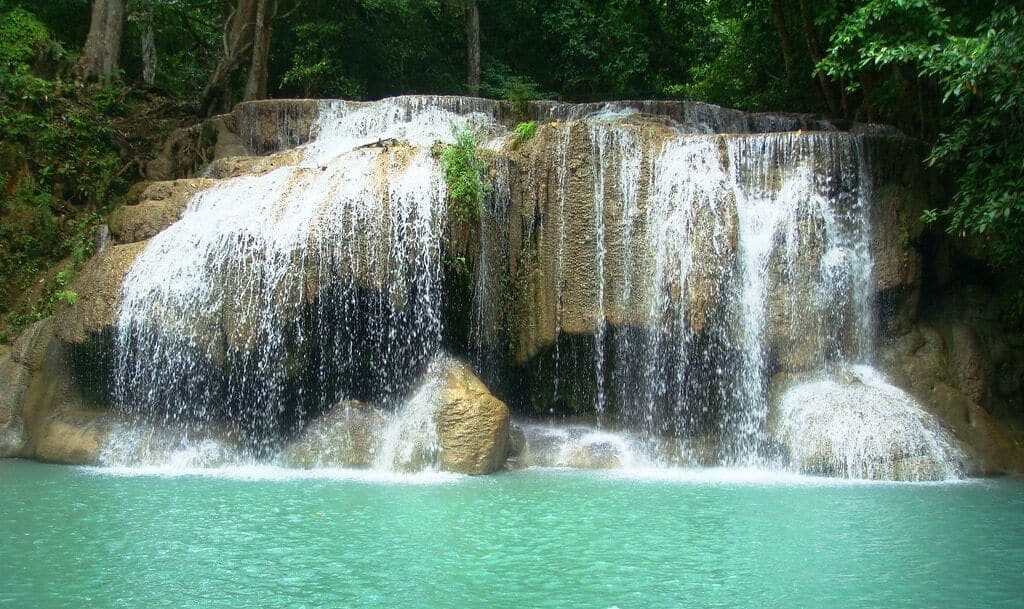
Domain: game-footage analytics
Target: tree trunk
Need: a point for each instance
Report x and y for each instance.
(473, 45)
(147, 42)
(256, 85)
(785, 42)
(102, 52)
(826, 86)
(239, 29)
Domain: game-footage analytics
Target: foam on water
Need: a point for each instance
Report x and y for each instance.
(273, 473)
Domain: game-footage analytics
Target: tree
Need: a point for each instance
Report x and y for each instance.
(256, 84)
(143, 16)
(473, 46)
(785, 43)
(974, 62)
(102, 52)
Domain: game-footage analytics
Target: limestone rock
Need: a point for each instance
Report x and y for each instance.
(472, 424)
(74, 440)
(162, 204)
(42, 412)
(347, 436)
(98, 287)
(235, 166)
(920, 362)
(856, 424)
(969, 361)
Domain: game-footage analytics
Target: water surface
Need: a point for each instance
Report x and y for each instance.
(266, 537)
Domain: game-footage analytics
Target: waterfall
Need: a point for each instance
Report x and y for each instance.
(649, 269)
(275, 295)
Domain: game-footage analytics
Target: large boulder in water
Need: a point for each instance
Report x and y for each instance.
(472, 424)
(853, 423)
(347, 436)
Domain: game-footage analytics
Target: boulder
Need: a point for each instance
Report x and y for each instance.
(853, 423)
(472, 424)
(161, 204)
(578, 447)
(347, 436)
(98, 286)
(76, 439)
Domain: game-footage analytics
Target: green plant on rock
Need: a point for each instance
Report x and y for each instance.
(525, 132)
(464, 174)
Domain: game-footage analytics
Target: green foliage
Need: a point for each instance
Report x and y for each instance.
(315, 70)
(500, 82)
(65, 296)
(977, 75)
(61, 164)
(525, 132)
(22, 38)
(464, 174)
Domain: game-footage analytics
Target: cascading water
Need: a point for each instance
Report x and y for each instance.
(275, 295)
(856, 424)
(669, 273)
(710, 264)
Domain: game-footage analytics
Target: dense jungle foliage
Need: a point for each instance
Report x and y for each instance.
(87, 89)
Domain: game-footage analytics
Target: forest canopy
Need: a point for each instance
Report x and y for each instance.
(88, 88)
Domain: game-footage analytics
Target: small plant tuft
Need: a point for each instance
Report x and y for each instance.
(525, 132)
(464, 173)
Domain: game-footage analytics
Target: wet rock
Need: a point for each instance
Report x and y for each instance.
(235, 166)
(920, 362)
(516, 448)
(73, 439)
(472, 424)
(578, 447)
(858, 425)
(347, 436)
(42, 412)
(969, 362)
(141, 442)
(581, 237)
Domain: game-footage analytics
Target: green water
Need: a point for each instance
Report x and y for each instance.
(263, 538)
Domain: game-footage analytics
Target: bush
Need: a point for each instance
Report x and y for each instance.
(464, 174)
(525, 132)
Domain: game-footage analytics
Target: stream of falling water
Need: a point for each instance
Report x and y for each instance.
(712, 263)
(277, 294)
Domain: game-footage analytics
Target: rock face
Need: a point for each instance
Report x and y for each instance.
(43, 415)
(98, 287)
(347, 436)
(255, 128)
(160, 205)
(472, 424)
(653, 262)
(922, 362)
